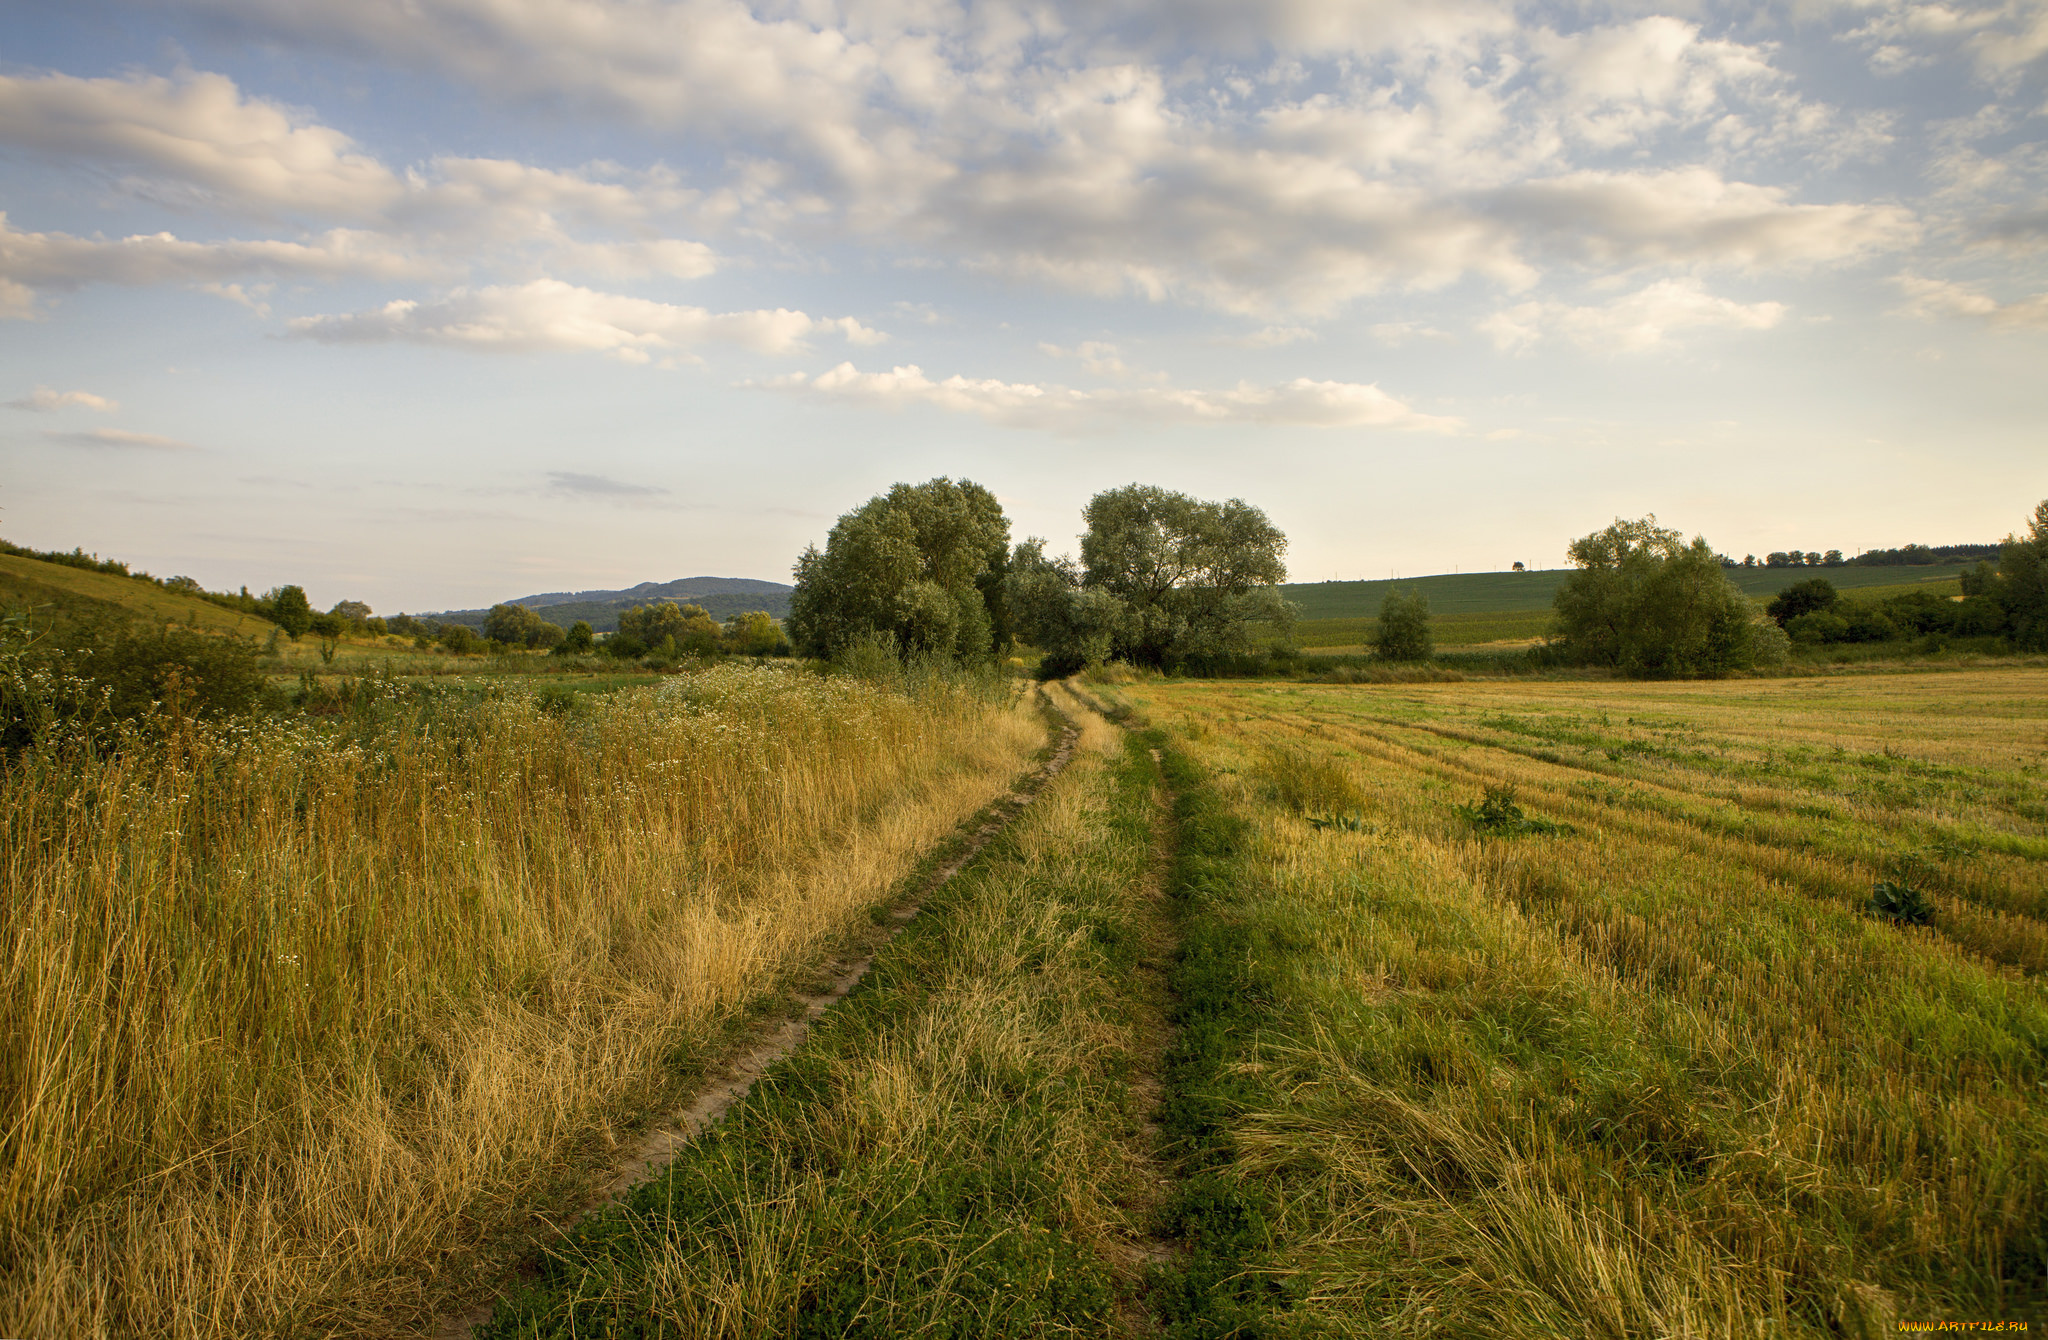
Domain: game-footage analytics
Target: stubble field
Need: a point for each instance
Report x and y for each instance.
(1657, 1070)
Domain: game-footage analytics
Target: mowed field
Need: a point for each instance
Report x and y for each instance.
(1657, 1072)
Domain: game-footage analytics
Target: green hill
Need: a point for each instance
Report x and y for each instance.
(54, 592)
(1471, 608)
(1501, 592)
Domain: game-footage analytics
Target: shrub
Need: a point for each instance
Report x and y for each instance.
(1497, 815)
(1403, 632)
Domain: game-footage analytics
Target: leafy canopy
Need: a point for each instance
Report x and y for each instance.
(1403, 631)
(921, 566)
(1648, 604)
(1163, 578)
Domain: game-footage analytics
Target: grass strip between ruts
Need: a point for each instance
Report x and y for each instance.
(1222, 992)
(949, 1153)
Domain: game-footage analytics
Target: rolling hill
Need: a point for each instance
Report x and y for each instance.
(1475, 608)
(721, 597)
(51, 590)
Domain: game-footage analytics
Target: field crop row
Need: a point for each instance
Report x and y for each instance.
(1651, 1065)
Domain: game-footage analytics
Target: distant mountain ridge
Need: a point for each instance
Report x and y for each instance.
(682, 589)
(721, 597)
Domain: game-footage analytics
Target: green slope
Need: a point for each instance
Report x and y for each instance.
(55, 592)
(1504, 592)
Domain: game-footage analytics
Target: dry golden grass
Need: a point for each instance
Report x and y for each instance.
(1665, 1074)
(947, 1154)
(295, 1017)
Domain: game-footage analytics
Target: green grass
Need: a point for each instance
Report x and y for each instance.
(51, 590)
(1502, 592)
(951, 1153)
(1448, 630)
(1661, 1071)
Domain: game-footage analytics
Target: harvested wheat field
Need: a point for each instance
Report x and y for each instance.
(1570, 1008)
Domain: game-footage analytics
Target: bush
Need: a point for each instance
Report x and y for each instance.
(1813, 595)
(1497, 815)
(95, 677)
(1403, 632)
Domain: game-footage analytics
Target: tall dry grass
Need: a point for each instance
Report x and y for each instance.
(293, 1015)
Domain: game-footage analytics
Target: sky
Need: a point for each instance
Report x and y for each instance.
(432, 303)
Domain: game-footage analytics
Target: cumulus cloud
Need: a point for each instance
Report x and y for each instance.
(44, 399)
(1302, 402)
(1123, 148)
(1932, 299)
(119, 439)
(1640, 321)
(200, 130)
(551, 314)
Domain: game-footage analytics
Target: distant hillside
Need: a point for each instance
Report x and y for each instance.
(721, 597)
(57, 592)
(1501, 592)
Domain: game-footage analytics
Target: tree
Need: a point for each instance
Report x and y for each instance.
(670, 629)
(288, 608)
(1193, 575)
(755, 634)
(578, 641)
(921, 566)
(1403, 632)
(518, 626)
(1164, 579)
(1832, 559)
(354, 612)
(1518, 566)
(329, 628)
(1649, 605)
(1815, 593)
(2022, 586)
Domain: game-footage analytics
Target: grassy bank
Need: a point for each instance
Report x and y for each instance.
(1656, 1070)
(295, 1017)
(957, 1151)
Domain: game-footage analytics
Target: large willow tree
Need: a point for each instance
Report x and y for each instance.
(1163, 579)
(921, 566)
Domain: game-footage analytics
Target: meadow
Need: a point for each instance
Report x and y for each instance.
(1533, 1006)
(304, 1017)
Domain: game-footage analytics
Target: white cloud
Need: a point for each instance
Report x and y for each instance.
(59, 261)
(201, 131)
(1117, 149)
(551, 314)
(119, 439)
(1100, 358)
(1299, 403)
(1631, 324)
(1999, 38)
(1693, 215)
(1932, 299)
(44, 399)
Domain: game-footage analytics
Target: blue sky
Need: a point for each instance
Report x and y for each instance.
(433, 302)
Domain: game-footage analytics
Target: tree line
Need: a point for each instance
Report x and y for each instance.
(929, 571)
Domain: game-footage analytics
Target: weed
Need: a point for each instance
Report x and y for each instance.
(1497, 815)
(1901, 903)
